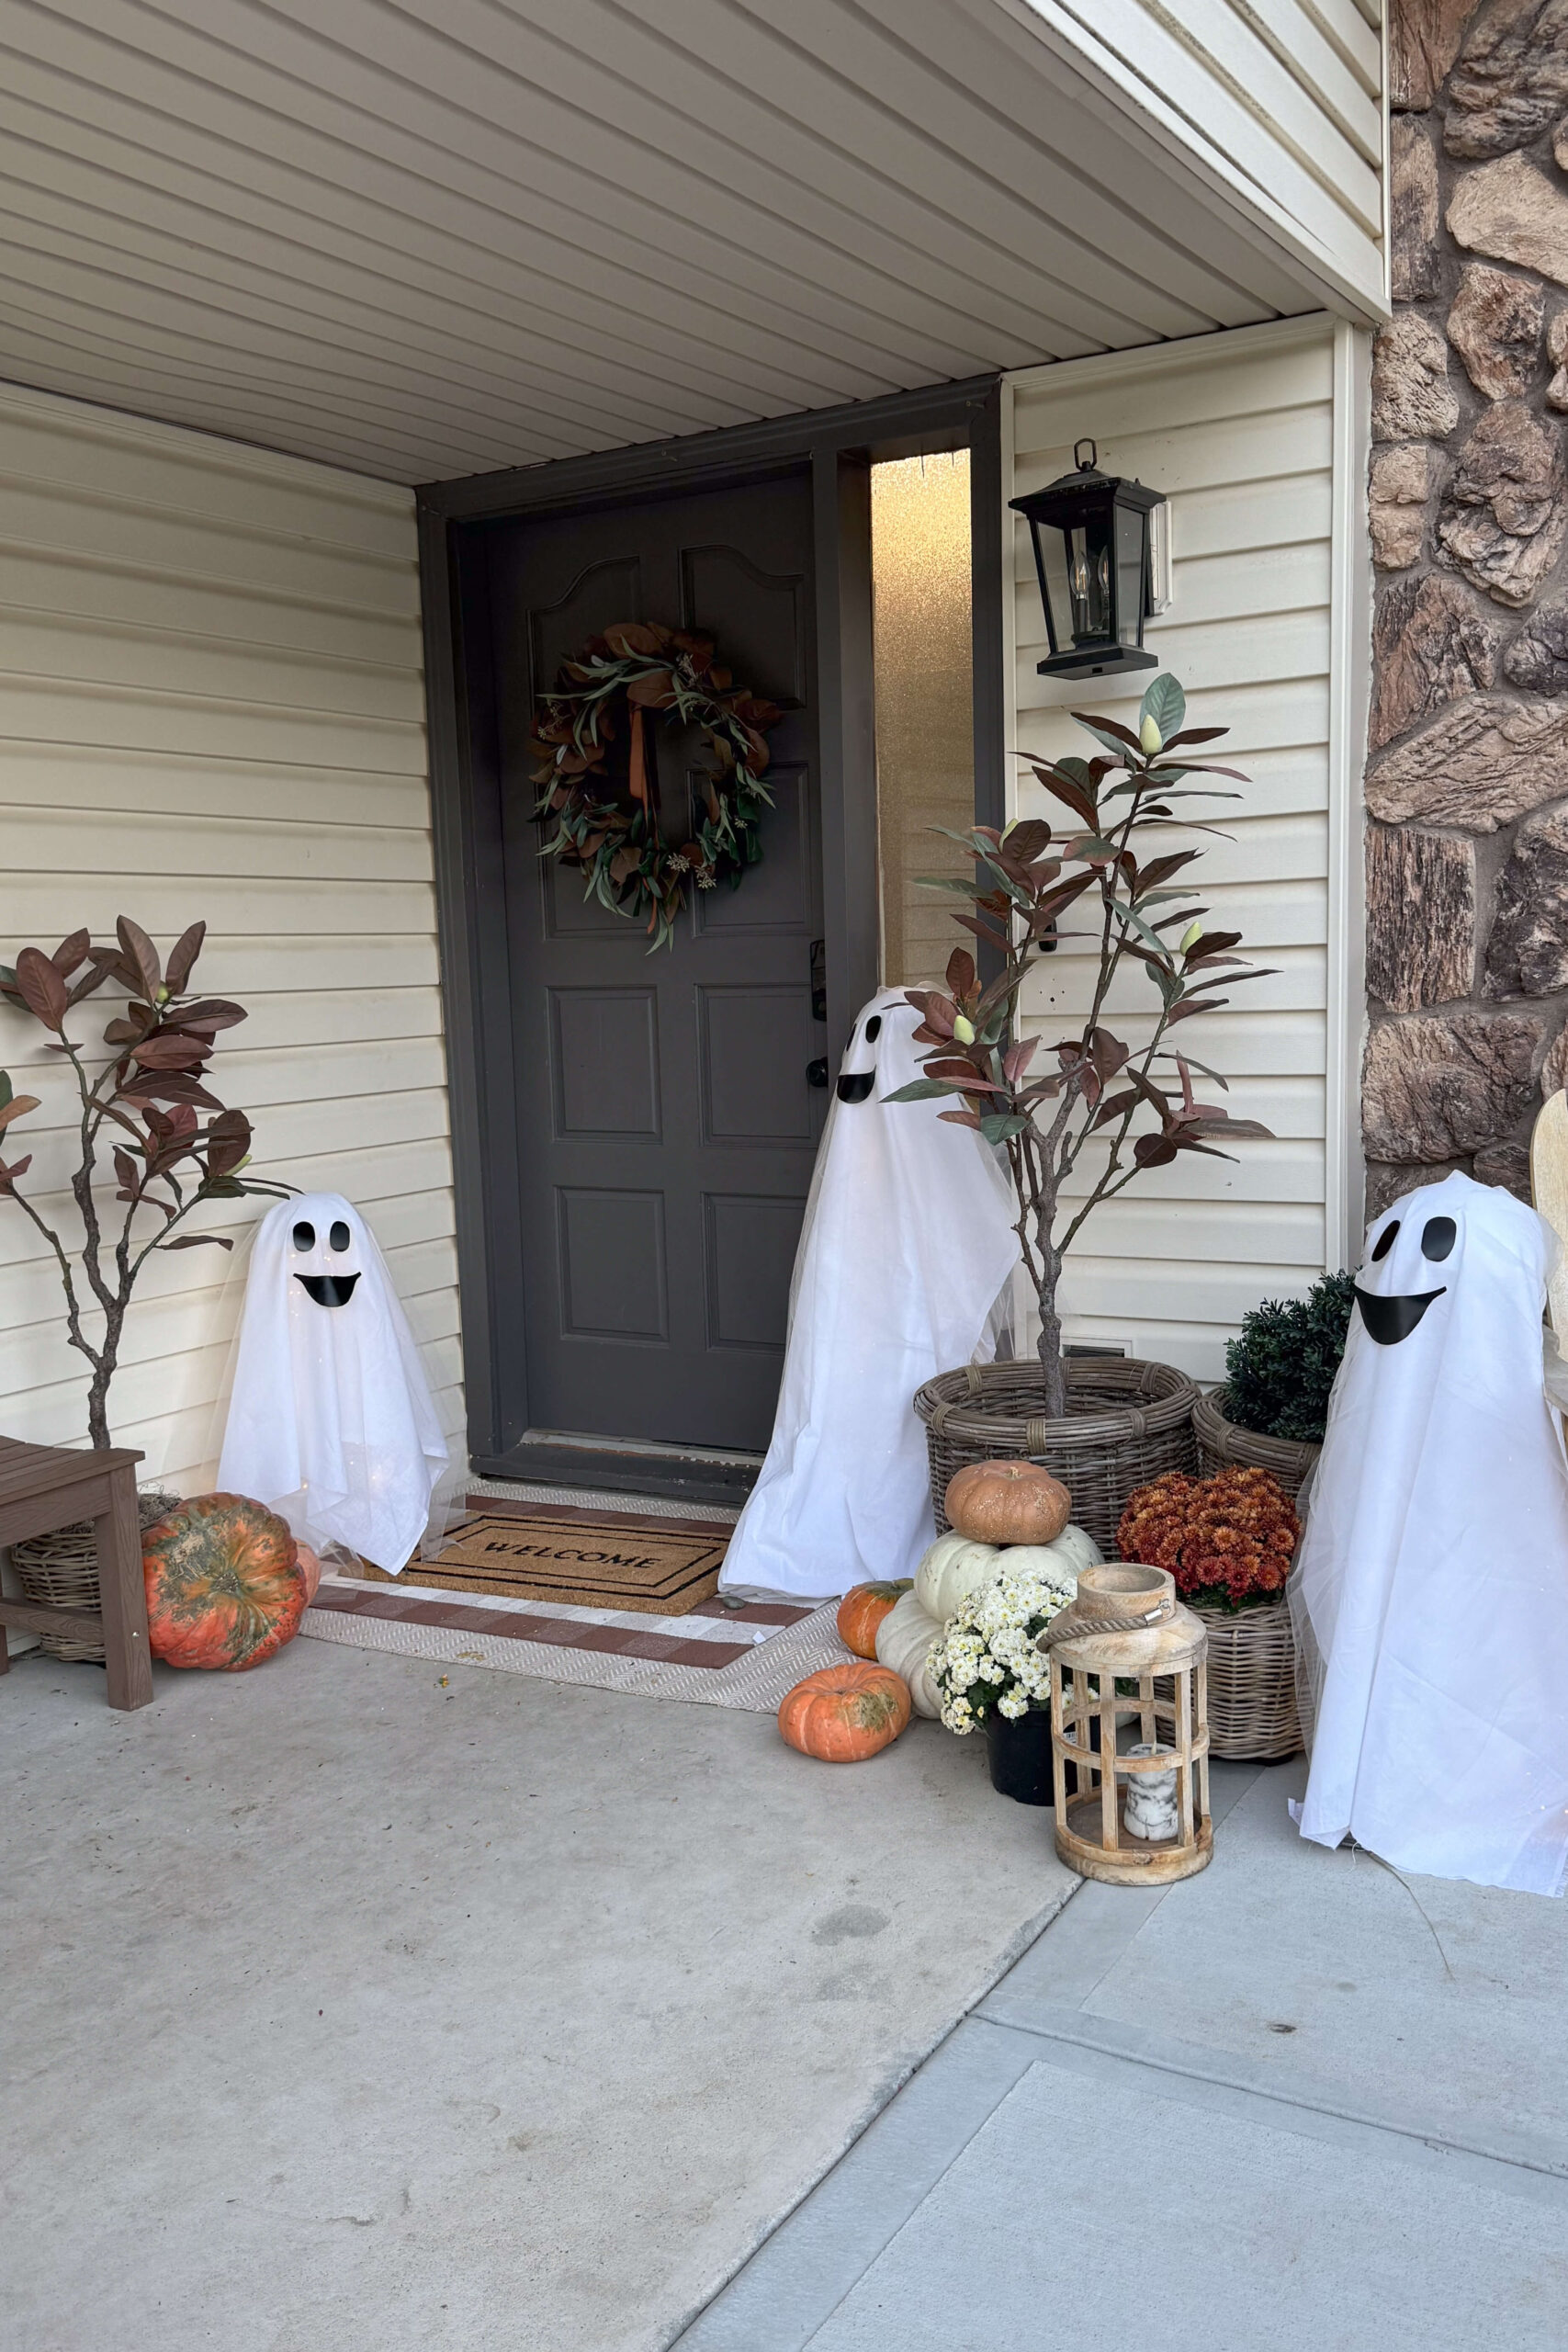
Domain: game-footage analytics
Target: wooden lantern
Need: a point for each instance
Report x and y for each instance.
(1140, 1755)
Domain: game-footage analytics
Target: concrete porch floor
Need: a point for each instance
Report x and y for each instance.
(1294, 2105)
(345, 2012)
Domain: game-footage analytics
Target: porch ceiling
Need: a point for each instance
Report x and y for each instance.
(434, 238)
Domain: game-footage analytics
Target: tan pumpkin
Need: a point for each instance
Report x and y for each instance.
(1007, 1502)
(845, 1714)
(861, 1610)
(904, 1642)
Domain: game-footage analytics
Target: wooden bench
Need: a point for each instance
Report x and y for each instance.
(46, 1486)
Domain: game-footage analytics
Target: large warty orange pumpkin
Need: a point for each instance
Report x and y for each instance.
(224, 1585)
(845, 1713)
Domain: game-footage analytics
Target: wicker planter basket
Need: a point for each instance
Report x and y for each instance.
(1223, 1444)
(1126, 1422)
(60, 1569)
(1252, 1682)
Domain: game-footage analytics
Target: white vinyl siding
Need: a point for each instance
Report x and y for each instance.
(1282, 102)
(212, 707)
(1251, 437)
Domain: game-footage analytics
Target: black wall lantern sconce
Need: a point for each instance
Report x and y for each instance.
(1092, 534)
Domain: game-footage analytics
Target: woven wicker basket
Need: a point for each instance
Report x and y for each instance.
(1252, 1683)
(60, 1569)
(1222, 1443)
(1126, 1422)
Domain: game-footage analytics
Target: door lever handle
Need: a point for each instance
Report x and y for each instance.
(817, 1071)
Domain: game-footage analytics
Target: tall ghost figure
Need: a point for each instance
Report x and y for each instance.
(1431, 1595)
(331, 1421)
(907, 1246)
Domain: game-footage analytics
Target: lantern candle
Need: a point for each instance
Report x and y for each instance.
(1152, 1810)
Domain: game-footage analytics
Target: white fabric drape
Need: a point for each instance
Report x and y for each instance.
(1431, 1594)
(908, 1243)
(331, 1421)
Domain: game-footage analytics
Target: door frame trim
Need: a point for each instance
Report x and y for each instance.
(838, 445)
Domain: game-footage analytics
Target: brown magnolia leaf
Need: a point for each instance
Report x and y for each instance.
(41, 988)
(1154, 1151)
(17, 1108)
(211, 1012)
(961, 972)
(197, 1242)
(167, 1086)
(125, 1168)
(228, 1142)
(142, 956)
(623, 638)
(960, 1118)
(18, 1167)
(167, 1049)
(181, 956)
(654, 692)
(72, 953)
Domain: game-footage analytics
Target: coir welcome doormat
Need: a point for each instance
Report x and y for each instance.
(597, 1563)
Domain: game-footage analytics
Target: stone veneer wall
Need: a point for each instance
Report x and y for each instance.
(1467, 781)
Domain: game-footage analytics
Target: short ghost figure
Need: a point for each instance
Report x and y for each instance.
(1431, 1595)
(906, 1248)
(331, 1421)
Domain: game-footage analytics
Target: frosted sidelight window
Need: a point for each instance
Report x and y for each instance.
(925, 749)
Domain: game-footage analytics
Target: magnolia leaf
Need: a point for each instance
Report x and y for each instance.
(921, 1090)
(211, 1012)
(1165, 703)
(954, 1118)
(1154, 1151)
(142, 956)
(960, 972)
(1109, 732)
(1027, 837)
(72, 953)
(996, 1127)
(15, 1106)
(199, 1242)
(41, 988)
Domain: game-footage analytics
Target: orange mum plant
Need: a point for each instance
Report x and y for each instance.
(1228, 1539)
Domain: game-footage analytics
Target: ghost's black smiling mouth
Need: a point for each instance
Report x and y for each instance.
(1390, 1320)
(855, 1085)
(328, 1290)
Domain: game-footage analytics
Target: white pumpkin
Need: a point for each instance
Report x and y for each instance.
(1061, 1561)
(953, 1568)
(904, 1642)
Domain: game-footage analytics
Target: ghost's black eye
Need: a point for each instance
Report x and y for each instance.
(304, 1234)
(1384, 1241)
(1437, 1238)
(339, 1235)
(873, 1029)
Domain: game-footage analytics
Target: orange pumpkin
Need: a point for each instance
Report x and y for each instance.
(1008, 1502)
(224, 1585)
(846, 1712)
(862, 1610)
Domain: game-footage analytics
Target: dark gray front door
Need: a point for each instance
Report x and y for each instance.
(667, 1121)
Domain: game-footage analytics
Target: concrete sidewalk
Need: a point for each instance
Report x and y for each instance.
(1296, 2104)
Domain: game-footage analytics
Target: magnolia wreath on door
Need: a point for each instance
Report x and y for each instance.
(609, 692)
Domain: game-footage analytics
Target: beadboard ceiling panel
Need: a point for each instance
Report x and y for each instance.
(434, 238)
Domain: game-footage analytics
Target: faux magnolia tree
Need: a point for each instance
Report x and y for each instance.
(146, 1106)
(1080, 1111)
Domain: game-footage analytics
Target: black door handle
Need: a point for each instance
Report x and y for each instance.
(817, 1071)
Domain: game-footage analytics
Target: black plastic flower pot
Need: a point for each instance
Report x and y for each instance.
(1019, 1748)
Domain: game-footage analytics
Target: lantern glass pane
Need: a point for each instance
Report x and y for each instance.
(1132, 573)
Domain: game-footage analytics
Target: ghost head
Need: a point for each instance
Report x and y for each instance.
(325, 1261)
(331, 1421)
(1403, 1257)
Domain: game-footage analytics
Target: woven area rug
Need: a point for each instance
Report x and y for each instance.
(710, 1656)
(595, 1560)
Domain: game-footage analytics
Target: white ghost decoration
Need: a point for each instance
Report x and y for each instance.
(907, 1246)
(331, 1421)
(1430, 1598)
